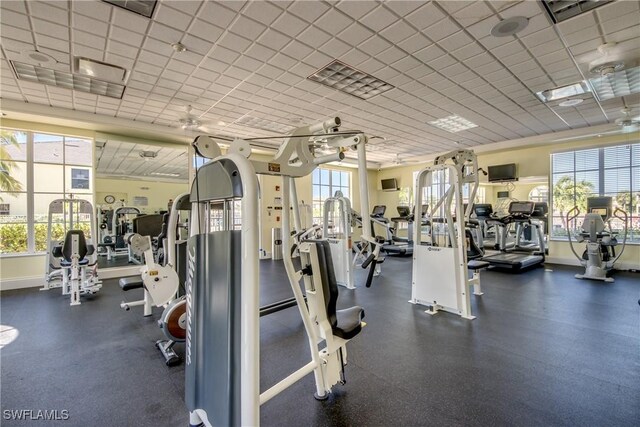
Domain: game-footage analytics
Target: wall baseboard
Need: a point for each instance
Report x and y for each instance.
(38, 281)
(575, 263)
(21, 283)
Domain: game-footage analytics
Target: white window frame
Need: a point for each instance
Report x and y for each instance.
(30, 184)
(318, 220)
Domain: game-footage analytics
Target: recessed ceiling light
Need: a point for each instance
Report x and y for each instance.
(178, 47)
(345, 78)
(571, 102)
(148, 154)
(561, 92)
(263, 124)
(141, 7)
(453, 123)
(47, 76)
(509, 26)
(99, 70)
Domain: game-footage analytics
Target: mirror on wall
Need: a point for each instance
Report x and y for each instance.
(135, 182)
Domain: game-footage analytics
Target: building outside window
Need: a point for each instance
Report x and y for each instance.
(606, 171)
(37, 168)
(325, 183)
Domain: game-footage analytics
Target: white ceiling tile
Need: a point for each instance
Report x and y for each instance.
(262, 11)
(390, 55)
(527, 9)
(127, 37)
(429, 53)
(425, 16)
(289, 24)
(123, 49)
(118, 60)
(355, 34)
(187, 6)
(470, 50)
(8, 17)
(90, 25)
(122, 18)
(202, 30)
(577, 23)
(402, 7)
(582, 36)
(57, 44)
(50, 29)
(309, 11)
(455, 41)
(57, 13)
(273, 39)
(621, 23)
(473, 13)
(397, 32)
(539, 37)
(335, 48)
(16, 6)
(378, 19)
(441, 29)
(356, 9)
(214, 13)
(90, 40)
(628, 34)
(247, 28)
(414, 43)
(9, 32)
(171, 17)
(234, 42)
(162, 33)
(442, 62)
(313, 37)
(153, 58)
(317, 59)
(297, 50)
(260, 52)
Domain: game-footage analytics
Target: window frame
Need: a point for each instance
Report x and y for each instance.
(332, 190)
(29, 186)
(601, 190)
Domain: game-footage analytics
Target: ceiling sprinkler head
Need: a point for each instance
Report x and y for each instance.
(179, 47)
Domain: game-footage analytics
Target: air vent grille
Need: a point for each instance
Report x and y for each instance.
(345, 78)
(48, 76)
(561, 10)
(141, 7)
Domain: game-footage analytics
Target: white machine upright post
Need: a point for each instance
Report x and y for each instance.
(440, 277)
(337, 213)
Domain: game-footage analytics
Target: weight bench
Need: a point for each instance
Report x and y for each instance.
(135, 282)
(475, 266)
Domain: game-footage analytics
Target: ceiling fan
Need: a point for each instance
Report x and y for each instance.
(625, 124)
(192, 122)
(398, 161)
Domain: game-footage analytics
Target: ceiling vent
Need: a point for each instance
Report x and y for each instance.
(347, 79)
(561, 10)
(148, 154)
(617, 84)
(99, 70)
(47, 76)
(141, 7)
(453, 123)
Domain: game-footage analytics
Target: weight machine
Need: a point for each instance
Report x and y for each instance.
(223, 331)
(336, 229)
(71, 263)
(440, 265)
(116, 226)
(599, 256)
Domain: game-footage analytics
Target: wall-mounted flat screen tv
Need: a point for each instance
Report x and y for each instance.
(390, 184)
(503, 173)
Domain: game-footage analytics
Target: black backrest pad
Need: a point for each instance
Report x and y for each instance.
(473, 251)
(67, 246)
(328, 277)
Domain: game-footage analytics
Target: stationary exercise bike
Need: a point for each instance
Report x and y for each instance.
(599, 256)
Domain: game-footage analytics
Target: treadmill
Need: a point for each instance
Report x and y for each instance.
(518, 258)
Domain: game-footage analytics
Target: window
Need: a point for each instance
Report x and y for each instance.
(480, 191)
(35, 169)
(607, 171)
(325, 183)
(80, 179)
(539, 193)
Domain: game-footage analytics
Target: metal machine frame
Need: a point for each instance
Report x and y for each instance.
(337, 213)
(440, 269)
(235, 178)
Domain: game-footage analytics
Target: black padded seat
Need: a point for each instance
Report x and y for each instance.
(477, 265)
(128, 283)
(345, 323)
(349, 322)
(105, 245)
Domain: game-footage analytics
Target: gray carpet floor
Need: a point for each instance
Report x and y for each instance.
(545, 349)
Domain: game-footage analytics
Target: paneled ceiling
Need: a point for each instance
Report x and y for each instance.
(123, 159)
(253, 59)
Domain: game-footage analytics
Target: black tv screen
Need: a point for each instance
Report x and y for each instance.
(389, 184)
(503, 173)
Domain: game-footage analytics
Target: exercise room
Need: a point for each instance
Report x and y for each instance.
(328, 213)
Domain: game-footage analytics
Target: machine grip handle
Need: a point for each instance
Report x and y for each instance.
(368, 261)
(371, 272)
(571, 218)
(624, 217)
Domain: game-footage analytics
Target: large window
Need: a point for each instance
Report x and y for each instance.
(539, 193)
(35, 169)
(607, 171)
(325, 182)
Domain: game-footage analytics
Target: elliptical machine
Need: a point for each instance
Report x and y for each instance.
(599, 256)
